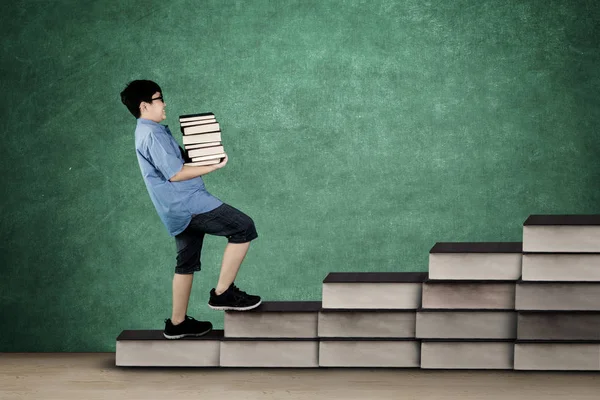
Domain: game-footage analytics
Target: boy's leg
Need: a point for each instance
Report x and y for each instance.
(232, 259)
(189, 247)
(182, 286)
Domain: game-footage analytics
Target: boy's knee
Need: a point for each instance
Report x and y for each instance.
(247, 234)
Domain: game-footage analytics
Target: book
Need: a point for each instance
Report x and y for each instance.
(201, 122)
(203, 163)
(201, 128)
(202, 139)
(196, 117)
(218, 157)
(200, 145)
(205, 151)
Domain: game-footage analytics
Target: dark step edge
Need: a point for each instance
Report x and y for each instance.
(561, 253)
(555, 341)
(563, 220)
(368, 310)
(367, 339)
(522, 282)
(474, 309)
(284, 306)
(375, 277)
(270, 339)
(477, 247)
(567, 312)
(471, 281)
(455, 340)
(218, 335)
(466, 310)
(157, 334)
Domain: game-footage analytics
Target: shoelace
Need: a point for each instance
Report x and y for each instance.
(237, 290)
(186, 317)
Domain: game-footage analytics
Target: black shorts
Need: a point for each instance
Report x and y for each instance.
(224, 220)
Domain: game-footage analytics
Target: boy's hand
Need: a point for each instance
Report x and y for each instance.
(222, 163)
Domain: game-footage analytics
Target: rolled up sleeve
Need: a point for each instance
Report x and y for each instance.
(164, 156)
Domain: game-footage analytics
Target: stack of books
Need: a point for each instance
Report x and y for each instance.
(201, 139)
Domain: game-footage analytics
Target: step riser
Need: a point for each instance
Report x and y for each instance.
(176, 353)
(369, 354)
(552, 326)
(469, 295)
(475, 266)
(271, 324)
(288, 354)
(367, 324)
(558, 296)
(470, 355)
(558, 239)
(372, 295)
(467, 325)
(561, 267)
(557, 357)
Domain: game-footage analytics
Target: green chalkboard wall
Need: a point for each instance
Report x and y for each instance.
(359, 134)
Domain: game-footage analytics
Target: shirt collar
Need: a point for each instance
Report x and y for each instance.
(147, 121)
(150, 122)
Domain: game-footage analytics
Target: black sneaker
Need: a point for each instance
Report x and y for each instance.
(233, 299)
(189, 327)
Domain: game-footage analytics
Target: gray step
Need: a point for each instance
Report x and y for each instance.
(353, 352)
(561, 267)
(149, 348)
(466, 354)
(551, 356)
(559, 325)
(283, 319)
(475, 261)
(466, 324)
(368, 290)
(562, 233)
(271, 352)
(539, 295)
(469, 294)
(367, 323)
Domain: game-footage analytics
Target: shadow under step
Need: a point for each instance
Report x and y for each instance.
(370, 290)
(475, 261)
(282, 319)
(367, 323)
(568, 296)
(467, 294)
(558, 325)
(466, 324)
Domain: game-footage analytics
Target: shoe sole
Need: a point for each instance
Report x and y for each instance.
(230, 308)
(185, 335)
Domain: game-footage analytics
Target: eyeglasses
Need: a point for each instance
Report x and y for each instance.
(158, 98)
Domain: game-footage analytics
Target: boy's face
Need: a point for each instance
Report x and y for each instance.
(154, 111)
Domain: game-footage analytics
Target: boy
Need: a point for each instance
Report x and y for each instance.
(188, 211)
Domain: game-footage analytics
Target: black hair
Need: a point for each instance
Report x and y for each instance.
(136, 92)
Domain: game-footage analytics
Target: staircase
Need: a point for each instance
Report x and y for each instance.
(531, 305)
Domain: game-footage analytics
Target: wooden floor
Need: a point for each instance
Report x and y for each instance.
(93, 376)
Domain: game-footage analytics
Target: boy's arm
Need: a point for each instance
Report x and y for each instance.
(170, 164)
(188, 172)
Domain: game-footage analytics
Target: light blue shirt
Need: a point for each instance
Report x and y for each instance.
(159, 157)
